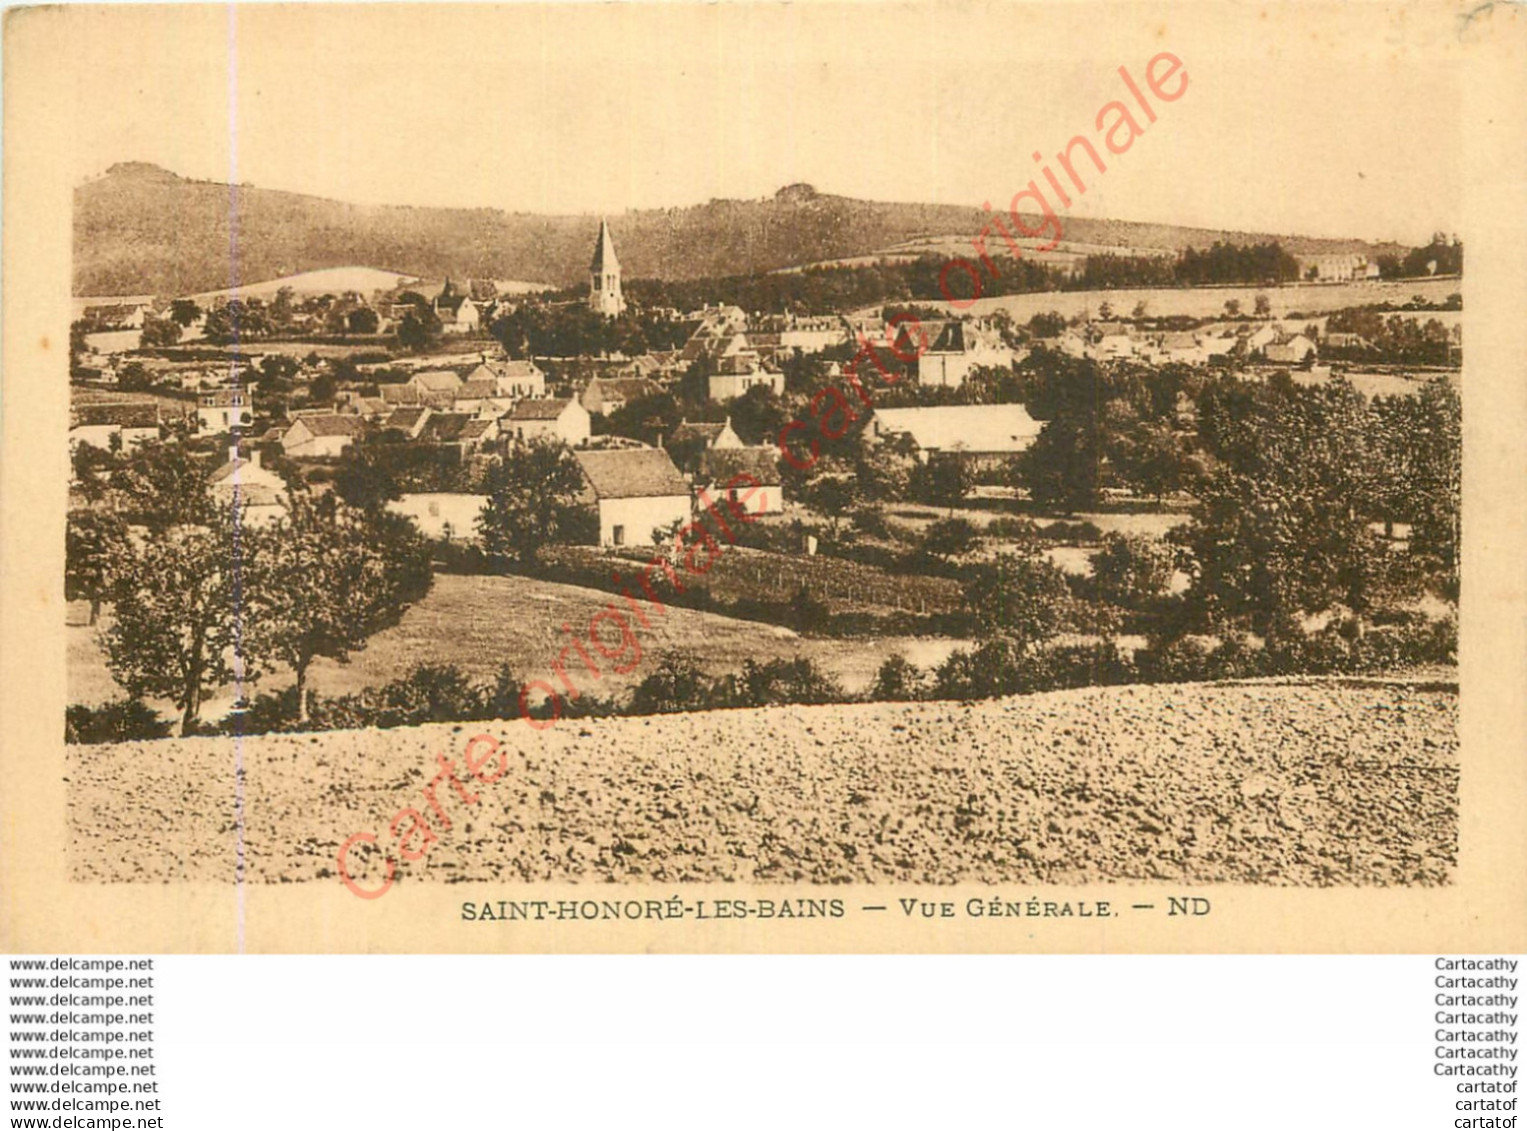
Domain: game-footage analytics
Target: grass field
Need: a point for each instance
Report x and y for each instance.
(478, 623)
(1209, 302)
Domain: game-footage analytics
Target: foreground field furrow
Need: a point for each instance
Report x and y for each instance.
(1317, 784)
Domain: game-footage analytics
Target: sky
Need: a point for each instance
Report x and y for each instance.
(1340, 121)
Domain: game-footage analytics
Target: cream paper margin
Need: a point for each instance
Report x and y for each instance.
(1484, 910)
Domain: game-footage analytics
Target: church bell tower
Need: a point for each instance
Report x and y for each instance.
(604, 277)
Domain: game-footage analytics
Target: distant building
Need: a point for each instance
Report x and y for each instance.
(958, 348)
(442, 514)
(706, 434)
(436, 387)
(458, 314)
(635, 491)
(511, 378)
(407, 419)
(242, 481)
(561, 418)
(738, 373)
(604, 395)
(761, 489)
(459, 430)
(604, 277)
(120, 424)
(322, 435)
(988, 432)
(222, 410)
(1295, 350)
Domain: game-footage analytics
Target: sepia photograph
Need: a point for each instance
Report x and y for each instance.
(679, 499)
(827, 468)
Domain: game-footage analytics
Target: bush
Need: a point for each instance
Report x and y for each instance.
(786, 681)
(950, 538)
(678, 684)
(1131, 570)
(122, 720)
(899, 680)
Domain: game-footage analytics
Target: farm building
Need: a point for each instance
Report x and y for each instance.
(994, 431)
(511, 378)
(636, 491)
(124, 424)
(561, 418)
(436, 387)
(749, 476)
(458, 314)
(322, 434)
(459, 430)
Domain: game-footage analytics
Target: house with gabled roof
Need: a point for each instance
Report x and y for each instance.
(511, 378)
(737, 373)
(436, 387)
(988, 433)
(561, 418)
(957, 348)
(748, 478)
(457, 312)
(224, 409)
(460, 430)
(408, 420)
(323, 435)
(635, 491)
(244, 482)
(604, 395)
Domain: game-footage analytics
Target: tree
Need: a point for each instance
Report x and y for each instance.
(322, 580)
(184, 311)
(163, 486)
(419, 330)
(1232, 308)
(533, 494)
(175, 616)
(1022, 597)
(134, 377)
(950, 538)
(160, 332)
(1131, 569)
(1152, 459)
(832, 490)
(1262, 306)
(95, 543)
(363, 320)
(1140, 309)
(1105, 311)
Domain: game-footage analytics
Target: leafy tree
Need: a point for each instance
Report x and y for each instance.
(363, 320)
(95, 543)
(899, 680)
(758, 415)
(184, 311)
(677, 684)
(533, 499)
(419, 330)
(950, 538)
(1131, 569)
(1232, 308)
(175, 616)
(1021, 596)
(323, 388)
(831, 490)
(160, 332)
(1262, 306)
(322, 580)
(134, 377)
(1152, 459)
(162, 486)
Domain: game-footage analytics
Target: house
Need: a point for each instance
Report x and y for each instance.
(1114, 344)
(746, 476)
(481, 398)
(243, 482)
(409, 420)
(1177, 346)
(605, 395)
(458, 314)
(1295, 350)
(120, 424)
(436, 387)
(738, 373)
(460, 430)
(561, 418)
(511, 378)
(1342, 268)
(636, 491)
(224, 409)
(442, 514)
(705, 434)
(991, 433)
(401, 395)
(116, 315)
(957, 348)
(322, 434)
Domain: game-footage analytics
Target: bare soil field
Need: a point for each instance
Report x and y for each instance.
(1312, 783)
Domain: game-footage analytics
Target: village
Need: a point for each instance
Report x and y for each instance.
(421, 400)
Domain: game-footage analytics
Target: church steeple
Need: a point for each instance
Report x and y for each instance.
(604, 276)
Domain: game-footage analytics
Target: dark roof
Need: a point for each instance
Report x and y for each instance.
(721, 464)
(400, 394)
(631, 473)
(604, 252)
(332, 424)
(446, 427)
(539, 408)
(627, 388)
(404, 419)
(119, 414)
(697, 430)
(476, 391)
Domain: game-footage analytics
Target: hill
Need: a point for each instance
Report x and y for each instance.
(141, 228)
